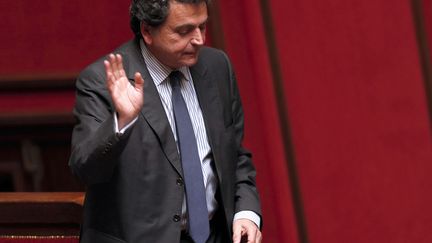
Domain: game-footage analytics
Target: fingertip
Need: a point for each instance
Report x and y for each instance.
(236, 239)
(139, 77)
(259, 237)
(236, 234)
(107, 67)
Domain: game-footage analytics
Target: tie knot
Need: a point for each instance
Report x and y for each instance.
(175, 78)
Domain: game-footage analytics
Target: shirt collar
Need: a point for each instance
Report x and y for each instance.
(158, 71)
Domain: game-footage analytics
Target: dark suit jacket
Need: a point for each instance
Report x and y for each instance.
(134, 181)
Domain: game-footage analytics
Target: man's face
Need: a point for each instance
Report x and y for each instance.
(177, 41)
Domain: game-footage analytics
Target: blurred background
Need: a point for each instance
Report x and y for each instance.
(337, 97)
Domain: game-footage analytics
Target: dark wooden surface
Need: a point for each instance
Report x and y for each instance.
(56, 213)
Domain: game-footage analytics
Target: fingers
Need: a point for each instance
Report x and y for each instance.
(115, 66)
(251, 233)
(108, 68)
(237, 233)
(120, 63)
(109, 74)
(246, 229)
(115, 71)
(120, 71)
(258, 237)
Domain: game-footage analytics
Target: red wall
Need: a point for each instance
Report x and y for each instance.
(52, 36)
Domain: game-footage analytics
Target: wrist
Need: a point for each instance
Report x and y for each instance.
(124, 120)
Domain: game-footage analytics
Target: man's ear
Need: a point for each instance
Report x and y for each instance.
(146, 32)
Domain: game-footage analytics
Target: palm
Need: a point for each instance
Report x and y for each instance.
(127, 98)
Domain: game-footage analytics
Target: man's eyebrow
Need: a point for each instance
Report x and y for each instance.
(190, 25)
(183, 26)
(204, 22)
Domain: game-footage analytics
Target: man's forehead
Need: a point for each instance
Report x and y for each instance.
(187, 13)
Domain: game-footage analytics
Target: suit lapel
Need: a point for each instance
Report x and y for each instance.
(208, 97)
(153, 111)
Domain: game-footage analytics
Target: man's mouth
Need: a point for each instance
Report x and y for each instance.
(190, 53)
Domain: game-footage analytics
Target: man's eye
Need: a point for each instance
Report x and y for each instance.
(184, 31)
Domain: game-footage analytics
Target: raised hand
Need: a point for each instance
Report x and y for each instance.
(127, 98)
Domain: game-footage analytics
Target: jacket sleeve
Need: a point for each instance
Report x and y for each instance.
(95, 145)
(246, 193)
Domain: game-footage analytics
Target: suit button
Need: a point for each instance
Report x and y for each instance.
(179, 182)
(176, 218)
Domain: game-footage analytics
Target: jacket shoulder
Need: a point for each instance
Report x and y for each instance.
(215, 60)
(212, 54)
(97, 67)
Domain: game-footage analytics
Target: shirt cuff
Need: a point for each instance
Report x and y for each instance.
(247, 214)
(123, 130)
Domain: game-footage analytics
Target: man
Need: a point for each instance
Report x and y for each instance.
(145, 115)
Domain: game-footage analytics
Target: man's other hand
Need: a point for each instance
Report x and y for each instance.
(245, 230)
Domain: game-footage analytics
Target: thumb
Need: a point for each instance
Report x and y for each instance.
(139, 81)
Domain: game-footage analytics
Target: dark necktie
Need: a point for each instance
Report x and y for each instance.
(199, 228)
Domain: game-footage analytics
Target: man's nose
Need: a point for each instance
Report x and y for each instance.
(198, 37)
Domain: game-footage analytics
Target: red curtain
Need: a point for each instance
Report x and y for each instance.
(244, 37)
(359, 119)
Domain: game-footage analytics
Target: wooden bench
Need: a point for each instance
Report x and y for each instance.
(40, 217)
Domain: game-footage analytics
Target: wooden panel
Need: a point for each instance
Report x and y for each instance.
(39, 239)
(40, 214)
